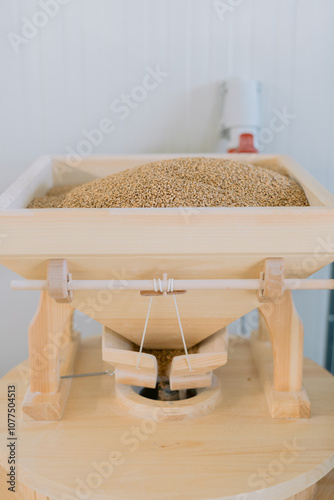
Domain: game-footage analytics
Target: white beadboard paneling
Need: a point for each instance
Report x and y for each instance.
(158, 117)
(200, 96)
(115, 61)
(179, 57)
(284, 62)
(72, 73)
(65, 79)
(31, 88)
(313, 84)
(242, 18)
(136, 59)
(11, 103)
(96, 54)
(49, 56)
(262, 54)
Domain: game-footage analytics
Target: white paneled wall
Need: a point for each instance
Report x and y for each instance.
(65, 79)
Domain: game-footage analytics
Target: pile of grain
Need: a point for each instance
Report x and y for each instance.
(165, 357)
(185, 182)
(53, 198)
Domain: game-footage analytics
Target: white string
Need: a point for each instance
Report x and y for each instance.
(182, 335)
(170, 285)
(156, 283)
(144, 332)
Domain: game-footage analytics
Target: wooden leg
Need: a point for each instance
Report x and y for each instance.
(52, 349)
(307, 494)
(263, 332)
(283, 376)
(287, 337)
(29, 494)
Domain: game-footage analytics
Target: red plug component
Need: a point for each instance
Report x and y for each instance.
(246, 145)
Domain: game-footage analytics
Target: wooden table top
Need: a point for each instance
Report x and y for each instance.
(234, 450)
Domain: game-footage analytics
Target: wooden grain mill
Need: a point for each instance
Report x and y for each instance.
(116, 264)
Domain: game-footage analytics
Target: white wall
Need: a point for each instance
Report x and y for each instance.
(66, 77)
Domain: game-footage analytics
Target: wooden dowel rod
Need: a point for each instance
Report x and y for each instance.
(200, 284)
(111, 285)
(308, 284)
(223, 284)
(238, 284)
(29, 285)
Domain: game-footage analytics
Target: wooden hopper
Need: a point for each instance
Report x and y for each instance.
(143, 244)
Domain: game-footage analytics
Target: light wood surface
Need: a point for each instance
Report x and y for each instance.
(323, 490)
(237, 448)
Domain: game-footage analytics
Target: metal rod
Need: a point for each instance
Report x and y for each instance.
(95, 374)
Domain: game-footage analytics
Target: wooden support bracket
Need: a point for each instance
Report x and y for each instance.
(52, 350)
(121, 354)
(281, 404)
(273, 280)
(58, 279)
(46, 406)
(212, 354)
(280, 363)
